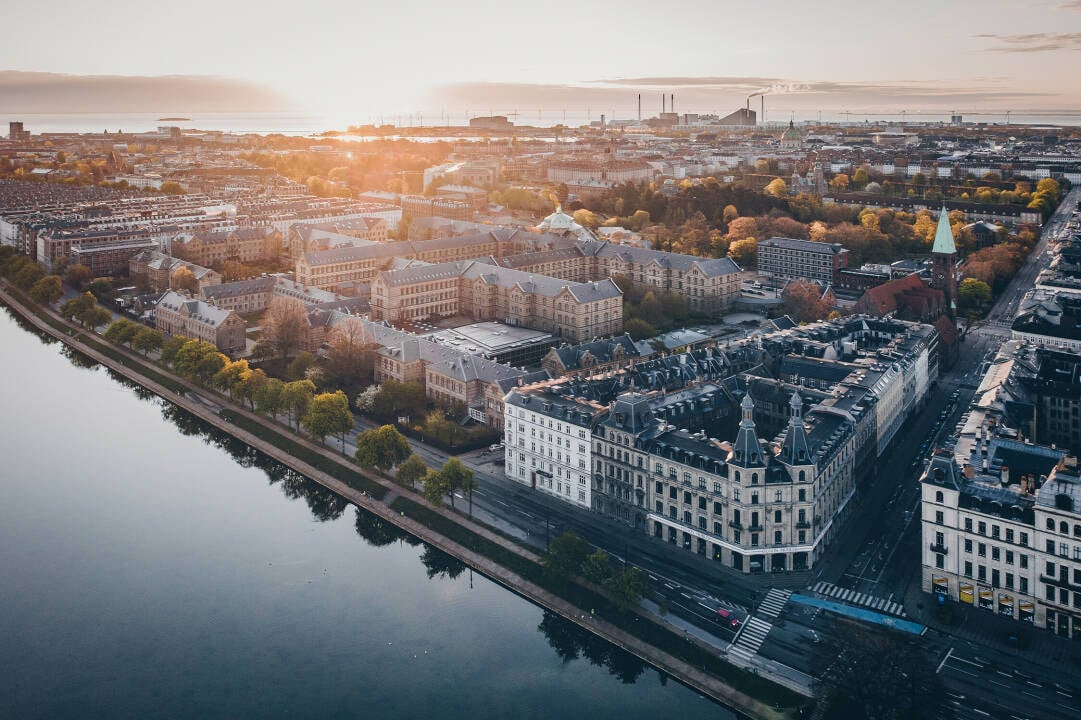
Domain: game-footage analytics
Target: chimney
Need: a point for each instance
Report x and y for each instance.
(1004, 476)
(639, 107)
(672, 104)
(664, 99)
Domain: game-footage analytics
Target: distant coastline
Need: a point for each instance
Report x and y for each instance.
(174, 119)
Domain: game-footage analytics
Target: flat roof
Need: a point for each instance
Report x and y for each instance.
(490, 337)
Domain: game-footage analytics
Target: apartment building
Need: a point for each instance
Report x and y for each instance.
(547, 444)
(247, 245)
(792, 259)
(154, 270)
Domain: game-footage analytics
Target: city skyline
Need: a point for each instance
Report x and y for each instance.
(366, 61)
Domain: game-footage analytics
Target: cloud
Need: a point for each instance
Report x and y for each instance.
(1034, 42)
(42, 92)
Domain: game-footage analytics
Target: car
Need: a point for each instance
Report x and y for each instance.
(727, 618)
(495, 448)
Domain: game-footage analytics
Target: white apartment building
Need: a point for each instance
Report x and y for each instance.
(547, 444)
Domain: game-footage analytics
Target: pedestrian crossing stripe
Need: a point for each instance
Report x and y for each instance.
(857, 598)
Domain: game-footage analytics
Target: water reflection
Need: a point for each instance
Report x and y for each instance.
(377, 532)
(439, 564)
(572, 642)
(45, 338)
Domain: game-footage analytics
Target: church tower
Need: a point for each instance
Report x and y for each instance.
(746, 451)
(943, 258)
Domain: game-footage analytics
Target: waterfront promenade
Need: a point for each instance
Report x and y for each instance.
(138, 370)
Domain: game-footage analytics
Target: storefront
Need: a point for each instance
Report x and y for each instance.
(966, 593)
(987, 598)
(1005, 604)
(1026, 611)
(940, 585)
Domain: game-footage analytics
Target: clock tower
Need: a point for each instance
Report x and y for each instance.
(943, 258)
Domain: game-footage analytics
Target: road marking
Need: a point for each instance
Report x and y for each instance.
(975, 664)
(1064, 694)
(996, 682)
(1034, 684)
(948, 653)
(981, 712)
(1026, 692)
(1005, 674)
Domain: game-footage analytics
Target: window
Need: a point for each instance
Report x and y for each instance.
(939, 517)
(968, 524)
(994, 553)
(754, 498)
(777, 538)
(981, 550)
(1049, 568)
(1063, 528)
(1009, 580)
(940, 561)
(776, 516)
(803, 497)
(981, 573)
(968, 568)
(968, 545)
(660, 507)
(1051, 524)
(981, 528)
(1009, 557)
(994, 531)
(938, 496)
(1009, 535)
(1022, 585)
(1023, 561)
(1063, 550)
(1023, 539)
(1050, 547)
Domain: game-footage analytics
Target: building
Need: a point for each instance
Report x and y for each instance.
(790, 259)
(106, 260)
(576, 311)
(249, 297)
(153, 270)
(16, 132)
(422, 206)
(590, 358)
(177, 314)
(1051, 319)
(246, 245)
(943, 258)
(326, 236)
(547, 443)
(494, 122)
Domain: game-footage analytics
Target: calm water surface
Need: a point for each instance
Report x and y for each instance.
(152, 568)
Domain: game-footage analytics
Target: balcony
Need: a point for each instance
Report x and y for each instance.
(803, 525)
(941, 549)
(1059, 581)
(756, 528)
(734, 524)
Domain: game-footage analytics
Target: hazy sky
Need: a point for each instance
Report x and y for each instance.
(401, 55)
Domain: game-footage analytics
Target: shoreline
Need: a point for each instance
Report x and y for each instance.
(135, 367)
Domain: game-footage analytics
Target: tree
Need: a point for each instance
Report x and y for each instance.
(744, 252)
(882, 676)
(457, 477)
(777, 188)
(250, 386)
(626, 587)
(121, 332)
(839, 183)
(230, 376)
(411, 471)
(434, 488)
(298, 367)
(171, 348)
(146, 340)
(285, 324)
(170, 187)
(349, 362)
(565, 556)
(95, 317)
(382, 448)
(730, 213)
(973, 293)
(804, 301)
(102, 289)
(296, 398)
(209, 366)
(184, 279)
(77, 276)
(190, 355)
(268, 398)
(586, 219)
(396, 398)
(597, 567)
(28, 276)
(328, 414)
(639, 329)
(47, 290)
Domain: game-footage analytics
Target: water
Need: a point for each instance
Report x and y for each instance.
(154, 568)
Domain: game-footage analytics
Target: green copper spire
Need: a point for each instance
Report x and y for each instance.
(944, 235)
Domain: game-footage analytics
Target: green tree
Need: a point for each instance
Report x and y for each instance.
(47, 290)
(777, 188)
(171, 348)
(973, 293)
(639, 329)
(28, 276)
(190, 355)
(328, 414)
(121, 332)
(435, 487)
(77, 276)
(597, 567)
(457, 477)
(296, 398)
(95, 317)
(411, 471)
(382, 448)
(268, 399)
(102, 289)
(146, 340)
(298, 366)
(565, 556)
(627, 587)
(209, 366)
(170, 187)
(395, 398)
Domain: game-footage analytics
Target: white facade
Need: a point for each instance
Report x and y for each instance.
(547, 445)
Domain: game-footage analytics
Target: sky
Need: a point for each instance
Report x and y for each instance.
(365, 59)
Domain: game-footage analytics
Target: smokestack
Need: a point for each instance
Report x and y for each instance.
(672, 104)
(763, 109)
(639, 107)
(664, 106)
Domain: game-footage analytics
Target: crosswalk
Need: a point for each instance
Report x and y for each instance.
(750, 638)
(774, 602)
(848, 595)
